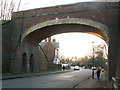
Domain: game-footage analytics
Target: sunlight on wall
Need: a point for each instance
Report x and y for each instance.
(95, 34)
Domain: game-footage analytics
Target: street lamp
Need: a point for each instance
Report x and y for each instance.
(93, 54)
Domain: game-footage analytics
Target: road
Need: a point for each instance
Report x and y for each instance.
(60, 80)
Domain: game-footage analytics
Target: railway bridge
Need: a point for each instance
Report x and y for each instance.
(22, 35)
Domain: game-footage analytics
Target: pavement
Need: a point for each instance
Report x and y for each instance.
(24, 75)
(93, 83)
(88, 83)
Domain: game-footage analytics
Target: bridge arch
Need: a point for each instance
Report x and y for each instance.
(45, 29)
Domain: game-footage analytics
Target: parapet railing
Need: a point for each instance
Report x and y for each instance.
(116, 83)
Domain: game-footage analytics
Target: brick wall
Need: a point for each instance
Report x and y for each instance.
(30, 48)
(49, 50)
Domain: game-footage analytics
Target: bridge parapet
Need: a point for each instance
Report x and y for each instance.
(97, 9)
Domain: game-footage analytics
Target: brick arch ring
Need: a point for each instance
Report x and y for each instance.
(103, 28)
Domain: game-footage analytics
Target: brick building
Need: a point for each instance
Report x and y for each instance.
(50, 48)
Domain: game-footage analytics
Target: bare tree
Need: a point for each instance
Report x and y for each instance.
(8, 7)
(1, 15)
(19, 5)
(11, 8)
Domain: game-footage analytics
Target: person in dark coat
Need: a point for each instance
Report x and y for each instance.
(63, 67)
(98, 74)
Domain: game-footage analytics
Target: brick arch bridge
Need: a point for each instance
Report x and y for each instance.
(28, 28)
(45, 29)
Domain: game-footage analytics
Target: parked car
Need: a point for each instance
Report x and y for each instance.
(76, 68)
(84, 67)
(93, 68)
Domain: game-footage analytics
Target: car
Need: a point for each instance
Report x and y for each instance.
(76, 68)
(84, 67)
(93, 68)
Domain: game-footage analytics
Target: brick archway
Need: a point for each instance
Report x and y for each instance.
(100, 28)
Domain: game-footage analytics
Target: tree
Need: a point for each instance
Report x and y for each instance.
(8, 7)
(62, 57)
(99, 59)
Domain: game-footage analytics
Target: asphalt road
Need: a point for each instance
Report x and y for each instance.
(60, 80)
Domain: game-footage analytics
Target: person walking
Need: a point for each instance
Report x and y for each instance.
(98, 73)
(63, 67)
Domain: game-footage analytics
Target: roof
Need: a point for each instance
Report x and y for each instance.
(42, 44)
(55, 44)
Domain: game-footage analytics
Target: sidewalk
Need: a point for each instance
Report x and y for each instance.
(10, 76)
(93, 83)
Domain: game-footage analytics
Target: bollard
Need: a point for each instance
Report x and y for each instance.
(92, 74)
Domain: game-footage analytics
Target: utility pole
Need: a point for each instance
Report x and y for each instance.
(93, 54)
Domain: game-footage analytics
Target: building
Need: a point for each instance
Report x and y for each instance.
(51, 49)
(56, 59)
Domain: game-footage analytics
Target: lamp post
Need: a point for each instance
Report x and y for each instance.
(93, 54)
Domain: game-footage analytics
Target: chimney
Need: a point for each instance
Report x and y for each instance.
(49, 39)
(46, 40)
(54, 40)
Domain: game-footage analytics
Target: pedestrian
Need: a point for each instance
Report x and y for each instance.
(63, 67)
(98, 73)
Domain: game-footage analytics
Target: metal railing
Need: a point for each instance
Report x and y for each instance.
(116, 83)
